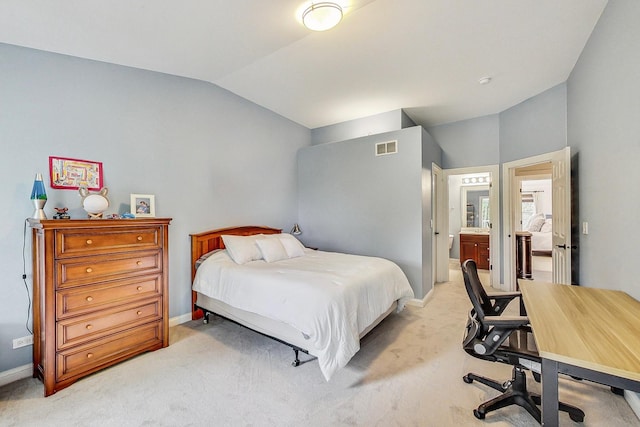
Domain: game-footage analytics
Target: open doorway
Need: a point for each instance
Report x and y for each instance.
(561, 247)
(471, 215)
(536, 216)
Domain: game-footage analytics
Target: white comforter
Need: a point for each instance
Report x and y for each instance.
(329, 297)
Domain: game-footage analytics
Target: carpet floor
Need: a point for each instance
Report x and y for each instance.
(408, 372)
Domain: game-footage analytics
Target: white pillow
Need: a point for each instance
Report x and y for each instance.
(532, 219)
(292, 245)
(547, 227)
(272, 250)
(535, 223)
(242, 249)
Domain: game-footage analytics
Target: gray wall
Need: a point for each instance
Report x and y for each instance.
(535, 126)
(474, 142)
(604, 130)
(212, 159)
(372, 125)
(353, 201)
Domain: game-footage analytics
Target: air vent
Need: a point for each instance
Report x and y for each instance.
(384, 148)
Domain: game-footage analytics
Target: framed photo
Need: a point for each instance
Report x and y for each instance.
(143, 205)
(71, 174)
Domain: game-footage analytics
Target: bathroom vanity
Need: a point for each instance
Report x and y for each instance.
(475, 245)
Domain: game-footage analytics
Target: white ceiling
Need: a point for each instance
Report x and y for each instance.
(424, 56)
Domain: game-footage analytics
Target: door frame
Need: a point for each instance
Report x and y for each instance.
(510, 198)
(440, 241)
(494, 206)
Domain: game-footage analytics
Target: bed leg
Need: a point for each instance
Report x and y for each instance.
(205, 318)
(296, 362)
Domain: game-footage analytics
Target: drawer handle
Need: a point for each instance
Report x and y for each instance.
(89, 270)
(139, 238)
(138, 312)
(89, 299)
(89, 326)
(89, 241)
(139, 288)
(89, 355)
(138, 262)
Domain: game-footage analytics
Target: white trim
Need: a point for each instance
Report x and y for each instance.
(439, 210)
(178, 320)
(633, 399)
(421, 302)
(15, 374)
(494, 202)
(509, 195)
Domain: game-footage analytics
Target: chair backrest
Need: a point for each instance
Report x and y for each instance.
(478, 296)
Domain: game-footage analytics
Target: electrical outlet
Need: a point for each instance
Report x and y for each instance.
(22, 342)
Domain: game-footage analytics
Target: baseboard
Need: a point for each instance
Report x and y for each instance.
(15, 374)
(634, 401)
(183, 318)
(420, 302)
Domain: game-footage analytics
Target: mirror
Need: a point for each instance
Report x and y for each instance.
(474, 205)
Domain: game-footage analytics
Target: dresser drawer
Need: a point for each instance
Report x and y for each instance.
(76, 301)
(80, 242)
(112, 349)
(80, 329)
(81, 271)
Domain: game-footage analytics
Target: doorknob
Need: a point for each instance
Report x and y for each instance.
(566, 247)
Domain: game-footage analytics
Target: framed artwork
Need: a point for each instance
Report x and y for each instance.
(71, 174)
(143, 205)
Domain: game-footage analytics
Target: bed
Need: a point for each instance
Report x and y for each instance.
(320, 303)
(540, 226)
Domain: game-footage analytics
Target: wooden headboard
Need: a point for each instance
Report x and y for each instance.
(207, 241)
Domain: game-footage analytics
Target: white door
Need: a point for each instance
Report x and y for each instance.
(439, 257)
(561, 212)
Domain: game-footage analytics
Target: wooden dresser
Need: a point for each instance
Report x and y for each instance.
(475, 246)
(100, 294)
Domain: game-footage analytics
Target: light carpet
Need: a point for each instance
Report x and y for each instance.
(408, 372)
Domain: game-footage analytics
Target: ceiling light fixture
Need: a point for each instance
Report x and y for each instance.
(322, 16)
(485, 80)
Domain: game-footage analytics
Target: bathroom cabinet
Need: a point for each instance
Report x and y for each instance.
(475, 246)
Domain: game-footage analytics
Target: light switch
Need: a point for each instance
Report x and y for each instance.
(585, 227)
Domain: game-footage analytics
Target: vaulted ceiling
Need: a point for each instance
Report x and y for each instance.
(424, 56)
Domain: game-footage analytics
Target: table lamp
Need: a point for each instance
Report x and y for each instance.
(39, 197)
(296, 230)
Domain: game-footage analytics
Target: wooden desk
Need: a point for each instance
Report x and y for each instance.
(584, 332)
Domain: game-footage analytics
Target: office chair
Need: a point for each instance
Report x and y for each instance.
(492, 304)
(504, 339)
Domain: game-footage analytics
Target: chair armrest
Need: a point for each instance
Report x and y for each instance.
(503, 295)
(506, 321)
(502, 300)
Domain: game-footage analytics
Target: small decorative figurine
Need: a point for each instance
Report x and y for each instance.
(61, 213)
(95, 204)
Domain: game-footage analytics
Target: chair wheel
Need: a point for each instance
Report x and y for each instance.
(467, 379)
(479, 415)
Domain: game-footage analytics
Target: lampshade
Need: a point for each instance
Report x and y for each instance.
(296, 230)
(322, 16)
(39, 197)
